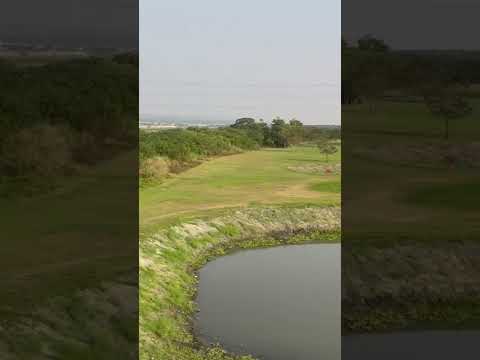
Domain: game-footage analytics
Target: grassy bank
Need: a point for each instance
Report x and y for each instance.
(256, 199)
(410, 285)
(95, 323)
(169, 259)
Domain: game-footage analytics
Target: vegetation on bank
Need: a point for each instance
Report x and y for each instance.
(169, 258)
(432, 284)
(94, 323)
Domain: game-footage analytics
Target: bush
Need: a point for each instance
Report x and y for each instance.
(41, 150)
(184, 147)
(98, 96)
(193, 144)
(84, 147)
(156, 167)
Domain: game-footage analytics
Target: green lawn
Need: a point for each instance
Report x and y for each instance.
(249, 179)
(411, 119)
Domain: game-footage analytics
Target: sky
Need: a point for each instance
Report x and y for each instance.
(414, 24)
(70, 23)
(221, 60)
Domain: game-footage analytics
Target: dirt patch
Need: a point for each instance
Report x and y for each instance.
(313, 168)
(297, 191)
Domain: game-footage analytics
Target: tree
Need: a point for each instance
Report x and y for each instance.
(254, 129)
(447, 104)
(369, 43)
(279, 133)
(244, 123)
(365, 70)
(267, 134)
(371, 76)
(326, 147)
(294, 131)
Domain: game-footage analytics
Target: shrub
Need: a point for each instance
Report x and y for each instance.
(41, 150)
(156, 167)
(84, 148)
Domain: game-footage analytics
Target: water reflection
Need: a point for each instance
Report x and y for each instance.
(277, 304)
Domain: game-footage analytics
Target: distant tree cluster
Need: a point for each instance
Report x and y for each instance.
(279, 134)
(197, 143)
(96, 95)
(315, 133)
(166, 151)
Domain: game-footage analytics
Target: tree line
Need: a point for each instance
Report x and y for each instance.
(245, 134)
(280, 133)
(60, 115)
(169, 151)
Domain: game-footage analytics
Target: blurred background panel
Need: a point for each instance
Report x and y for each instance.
(69, 179)
(411, 165)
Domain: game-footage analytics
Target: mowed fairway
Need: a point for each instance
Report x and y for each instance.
(422, 197)
(249, 179)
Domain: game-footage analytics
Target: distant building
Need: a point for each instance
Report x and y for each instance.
(156, 126)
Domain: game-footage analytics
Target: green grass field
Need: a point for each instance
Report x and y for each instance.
(249, 179)
(421, 193)
(72, 238)
(408, 119)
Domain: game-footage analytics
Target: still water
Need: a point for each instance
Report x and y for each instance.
(277, 304)
(438, 345)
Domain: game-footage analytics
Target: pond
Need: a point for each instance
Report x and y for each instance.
(438, 345)
(279, 303)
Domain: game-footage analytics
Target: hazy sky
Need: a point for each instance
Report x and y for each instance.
(415, 24)
(73, 23)
(221, 60)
